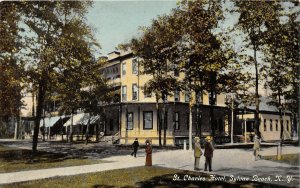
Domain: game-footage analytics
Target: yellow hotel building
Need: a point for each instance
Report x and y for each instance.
(135, 114)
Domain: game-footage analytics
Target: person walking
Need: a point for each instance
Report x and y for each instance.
(208, 153)
(148, 151)
(197, 153)
(135, 146)
(256, 147)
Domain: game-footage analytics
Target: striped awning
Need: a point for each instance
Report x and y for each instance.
(81, 119)
(49, 121)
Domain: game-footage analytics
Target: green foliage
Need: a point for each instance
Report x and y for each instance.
(11, 67)
(57, 52)
(282, 55)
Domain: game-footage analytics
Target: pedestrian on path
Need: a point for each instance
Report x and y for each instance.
(148, 151)
(197, 153)
(256, 147)
(208, 153)
(135, 146)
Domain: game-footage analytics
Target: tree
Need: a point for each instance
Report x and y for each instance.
(205, 59)
(157, 51)
(281, 53)
(60, 42)
(96, 92)
(11, 67)
(292, 53)
(254, 15)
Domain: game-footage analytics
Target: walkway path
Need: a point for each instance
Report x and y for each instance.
(235, 162)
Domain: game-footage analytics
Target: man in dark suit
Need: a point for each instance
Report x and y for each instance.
(135, 146)
(208, 153)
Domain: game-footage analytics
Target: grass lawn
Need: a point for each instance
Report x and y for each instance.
(131, 177)
(14, 159)
(292, 159)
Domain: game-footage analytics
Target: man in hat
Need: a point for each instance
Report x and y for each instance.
(197, 153)
(135, 146)
(208, 153)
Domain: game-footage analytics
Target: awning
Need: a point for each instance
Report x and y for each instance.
(94, 119)
(85, 119)
(82, 119)
(76, 119)
(49, 121)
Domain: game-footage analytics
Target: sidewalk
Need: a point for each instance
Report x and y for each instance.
(235, 162)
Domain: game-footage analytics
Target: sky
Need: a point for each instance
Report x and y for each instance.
(116, 22)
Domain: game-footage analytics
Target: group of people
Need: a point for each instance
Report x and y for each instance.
(148, 151)
(208, 151)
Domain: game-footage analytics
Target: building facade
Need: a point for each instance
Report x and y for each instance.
(137, 114)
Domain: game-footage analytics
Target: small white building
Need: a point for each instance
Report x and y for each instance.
(270, 124)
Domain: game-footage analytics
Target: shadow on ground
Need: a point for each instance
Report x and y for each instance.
(71, 150)
(25, 156)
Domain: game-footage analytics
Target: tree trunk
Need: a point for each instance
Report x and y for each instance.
(87, 131)
(15, 123)
(256, 115)
(190, 124)
(71, 129)
(165, 124)
(44, 127)
(20, 125)
(298, 119)
(199, 122)
(39, 110)
(97, 129)
(212, 123)
(62, 132)
(158, 122)
(280, 118)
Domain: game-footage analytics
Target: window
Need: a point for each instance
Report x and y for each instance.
(276, 125)
(199, 97)
(111, 124)
(148, 120)
(134, 66)
(212, 98)
(176, 96)
(147, 93)
(129, 121)
(134, 92)
(287, 125)
(124, 69)
(177, 121)
(124, 93)
(271, 125)
(187, 96)
(265, 125)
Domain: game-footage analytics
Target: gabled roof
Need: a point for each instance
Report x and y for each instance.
(264, 106)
